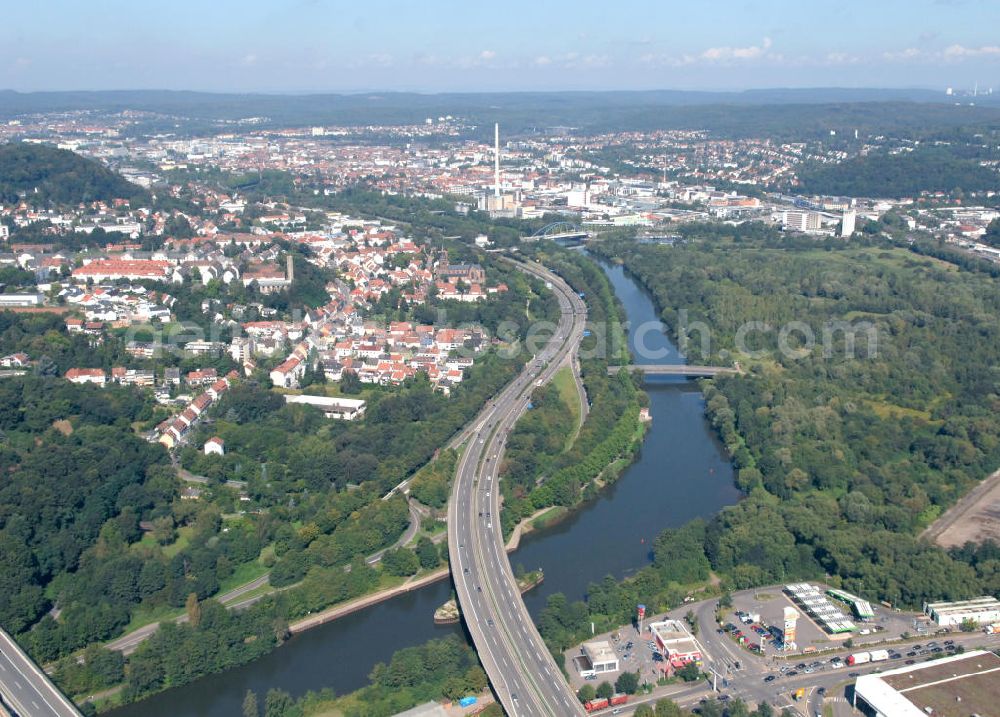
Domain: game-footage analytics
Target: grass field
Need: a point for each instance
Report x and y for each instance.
(566, 385)
(550, 516)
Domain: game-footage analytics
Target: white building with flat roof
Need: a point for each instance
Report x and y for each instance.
(678, 645)
(598, 658)
(982, 611)
(346, 409)
(955, 686)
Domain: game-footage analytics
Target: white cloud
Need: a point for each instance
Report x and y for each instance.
(248, 60)
(910, 53)
(543, 60)
(375, 59)
(728, 54)
(841, 58)
(713, 55)
(487, 55)
(959, 51)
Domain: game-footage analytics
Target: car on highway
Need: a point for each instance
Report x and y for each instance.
(770, 678)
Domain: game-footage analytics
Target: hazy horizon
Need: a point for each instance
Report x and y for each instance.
(322, 46)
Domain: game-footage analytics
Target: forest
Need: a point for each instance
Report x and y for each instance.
(59, 177)
(794, 114)
(845, 455)
(907, 174)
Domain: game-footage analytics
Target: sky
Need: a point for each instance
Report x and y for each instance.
(441, 45)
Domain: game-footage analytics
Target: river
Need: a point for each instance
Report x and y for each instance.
(680, 474)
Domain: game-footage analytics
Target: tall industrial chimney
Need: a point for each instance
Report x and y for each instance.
(496, 160)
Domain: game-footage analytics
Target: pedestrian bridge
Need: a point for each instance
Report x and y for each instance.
(678, 370)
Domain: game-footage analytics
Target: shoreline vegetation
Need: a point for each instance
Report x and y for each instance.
(825, 444)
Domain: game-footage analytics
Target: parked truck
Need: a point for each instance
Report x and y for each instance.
(594, 705)
(859, 658)
(993, 629)
(619, 699)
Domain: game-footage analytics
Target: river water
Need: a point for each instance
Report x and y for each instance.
(680, 474)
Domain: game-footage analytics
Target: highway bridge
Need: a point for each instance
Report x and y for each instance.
(523, 674)
(676, 370)
(25, 688)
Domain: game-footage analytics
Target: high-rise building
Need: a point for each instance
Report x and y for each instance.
(800, 221)
(848, 223)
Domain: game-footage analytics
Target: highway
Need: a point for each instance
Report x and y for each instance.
(521, 670)
(25, 688)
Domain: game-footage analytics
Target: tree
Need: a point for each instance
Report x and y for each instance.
(427, 553)
(627, 682)
(400, 562)
(586, 693)
(278, 703)
(689, 673)
(692, 620)
(193, 609)
(350, 383)
(605, 690)
(667, 708)
(644, 711)
(250, 707)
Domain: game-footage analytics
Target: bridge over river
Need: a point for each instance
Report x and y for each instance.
(678, 370)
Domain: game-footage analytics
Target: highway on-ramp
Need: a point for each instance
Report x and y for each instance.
(25, 688)
(521, 670)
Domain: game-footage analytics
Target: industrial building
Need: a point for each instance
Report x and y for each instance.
(862, 608)
(957, 686)
(598, 658)
(678, 646)
(818, 607)
(982, 611)
(20, 300)
(346, 409)
(800, 221)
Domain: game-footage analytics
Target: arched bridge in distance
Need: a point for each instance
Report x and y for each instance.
(678, 370)
(566, 231)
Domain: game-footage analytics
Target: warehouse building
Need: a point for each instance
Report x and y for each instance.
(982, 611)
(862, 608)
(956, 686)
(818, 607)
(346, 409)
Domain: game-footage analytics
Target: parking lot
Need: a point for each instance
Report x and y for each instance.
(634, 651)
(770, 603)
